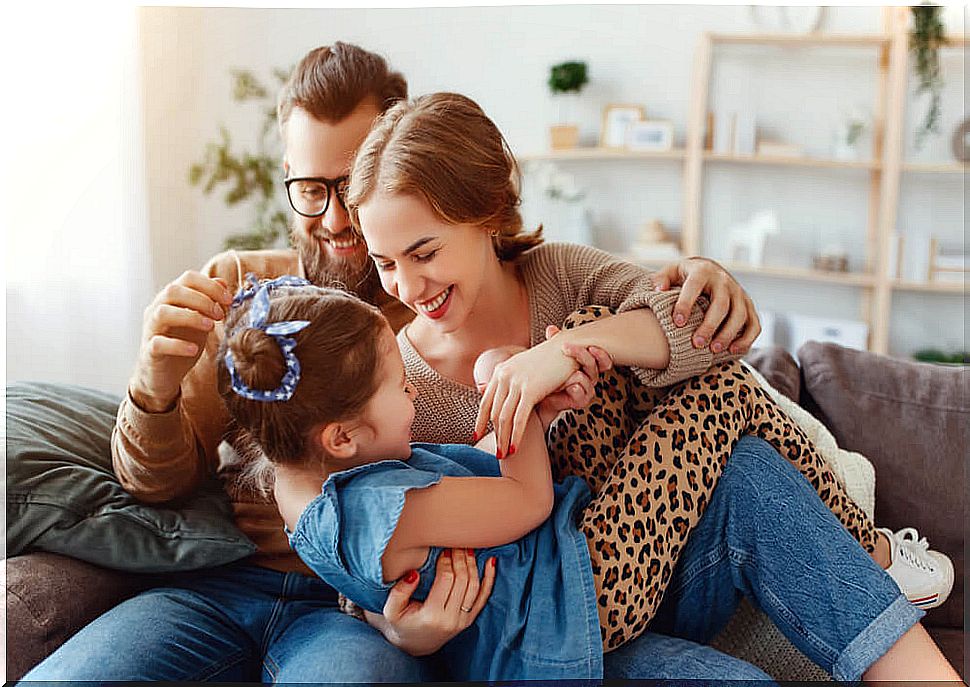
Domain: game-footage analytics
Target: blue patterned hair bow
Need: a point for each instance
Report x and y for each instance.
(258, 312)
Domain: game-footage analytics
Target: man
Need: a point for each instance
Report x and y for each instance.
(268, 618)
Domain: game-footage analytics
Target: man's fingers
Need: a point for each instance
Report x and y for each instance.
(662, 278)
(689, 292)
(749, 334)
(160, 346)
(732, 326)
(718, 310)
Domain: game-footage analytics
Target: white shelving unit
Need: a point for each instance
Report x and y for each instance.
(886, 169)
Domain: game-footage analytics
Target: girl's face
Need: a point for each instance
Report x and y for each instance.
(435, 268)
(387, 417)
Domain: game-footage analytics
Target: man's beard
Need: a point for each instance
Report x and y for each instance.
(323, 270)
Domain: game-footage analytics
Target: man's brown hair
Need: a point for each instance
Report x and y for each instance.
(331, 81)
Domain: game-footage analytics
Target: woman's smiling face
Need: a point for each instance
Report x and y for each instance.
(435, 268)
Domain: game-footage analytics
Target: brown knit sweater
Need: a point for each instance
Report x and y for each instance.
(559, 279)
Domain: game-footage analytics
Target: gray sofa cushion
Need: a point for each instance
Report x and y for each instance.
(63, 497)
(912, 420)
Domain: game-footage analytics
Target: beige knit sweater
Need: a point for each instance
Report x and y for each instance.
(559, 279)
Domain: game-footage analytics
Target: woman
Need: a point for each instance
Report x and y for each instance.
(434, 195)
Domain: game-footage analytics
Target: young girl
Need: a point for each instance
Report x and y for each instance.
(315, 378)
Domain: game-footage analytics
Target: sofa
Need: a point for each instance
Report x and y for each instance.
(911, 420)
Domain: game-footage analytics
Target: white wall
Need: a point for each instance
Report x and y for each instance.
(500, 56)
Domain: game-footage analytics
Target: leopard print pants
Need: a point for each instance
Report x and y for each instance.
(652, 458)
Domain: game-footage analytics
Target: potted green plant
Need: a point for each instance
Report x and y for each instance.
(566, 80)
(926, 38)
(248, 176)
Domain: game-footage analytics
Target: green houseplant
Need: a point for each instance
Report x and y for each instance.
(566, 80)
(926, 38)
(248, 176)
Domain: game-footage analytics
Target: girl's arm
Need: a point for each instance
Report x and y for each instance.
(475, 512)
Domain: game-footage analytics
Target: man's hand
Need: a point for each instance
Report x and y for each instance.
(174, 330)
(731, 322)
(454, 601)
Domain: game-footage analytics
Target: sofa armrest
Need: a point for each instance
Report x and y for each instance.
(50, 597)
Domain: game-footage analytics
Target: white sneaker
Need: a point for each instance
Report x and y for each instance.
(923, 575)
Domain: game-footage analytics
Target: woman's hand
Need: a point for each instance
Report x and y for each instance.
(454, 601)
(731, 321)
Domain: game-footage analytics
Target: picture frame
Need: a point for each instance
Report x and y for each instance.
(616, 124)
(647, 135)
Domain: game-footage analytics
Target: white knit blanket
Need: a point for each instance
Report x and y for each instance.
(852, 469)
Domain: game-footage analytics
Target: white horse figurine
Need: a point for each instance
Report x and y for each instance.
(750, 236)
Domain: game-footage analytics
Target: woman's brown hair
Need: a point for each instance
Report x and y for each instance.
(331, 81)
(444, 149)
(339, 355)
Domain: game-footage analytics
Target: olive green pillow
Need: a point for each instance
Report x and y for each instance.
(63, 497)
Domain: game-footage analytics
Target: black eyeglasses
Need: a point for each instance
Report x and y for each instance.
(310, 196)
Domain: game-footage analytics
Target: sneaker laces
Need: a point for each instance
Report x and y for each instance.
(914, 548)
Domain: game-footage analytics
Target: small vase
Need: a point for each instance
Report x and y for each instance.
(563, 136)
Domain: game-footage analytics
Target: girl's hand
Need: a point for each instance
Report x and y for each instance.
(579, 389)
(421, 628)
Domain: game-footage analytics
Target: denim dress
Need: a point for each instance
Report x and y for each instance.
(540, 621)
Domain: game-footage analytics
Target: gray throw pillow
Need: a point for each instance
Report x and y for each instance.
(63, 497)
(912, 421)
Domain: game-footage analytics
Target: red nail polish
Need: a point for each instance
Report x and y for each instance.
(471, 552)
(511, 449)
(498, 454)
(475, 437)
(411, 576)
(494, 561)
(446, 553)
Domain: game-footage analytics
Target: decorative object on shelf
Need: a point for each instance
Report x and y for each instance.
(709, 131)
(566, 80)
(617, 120)
(961, 141)
(651, 135)
(565, 216)
(655, 245)
(804, 328)
(933, 355)
(779, 149)
(831, 259)
(926, 38)
(849, 133)
(250, 177)
(749, 237)
(794, 19)
(915, 262)
(948, 262)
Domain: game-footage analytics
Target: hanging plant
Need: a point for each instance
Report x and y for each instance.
(925, 40)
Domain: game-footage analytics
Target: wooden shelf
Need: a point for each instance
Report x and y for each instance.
(791, 161)
(802, 274)
(929, 286)
(936, 167)
(845, 40)
(604, 154)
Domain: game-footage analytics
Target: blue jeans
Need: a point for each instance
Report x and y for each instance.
(766, 535)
